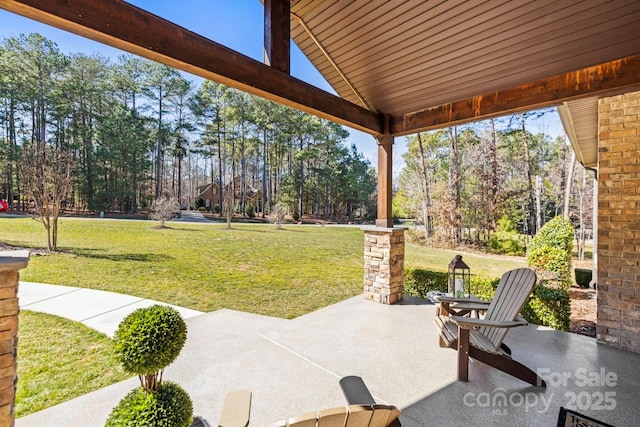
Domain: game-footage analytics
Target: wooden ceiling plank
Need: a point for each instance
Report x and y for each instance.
(516, 69)
(515, 39)
(606, 78)
(134, 30)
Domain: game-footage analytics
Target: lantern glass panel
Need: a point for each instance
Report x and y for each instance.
(459, 278)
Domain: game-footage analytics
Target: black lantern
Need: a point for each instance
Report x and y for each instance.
(459, 284)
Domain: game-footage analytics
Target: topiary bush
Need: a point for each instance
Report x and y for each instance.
(148, 340)
(168, 406)
(549, 252)
(583, 277)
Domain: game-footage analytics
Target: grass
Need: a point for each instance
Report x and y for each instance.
(256, 268)
(58, 360)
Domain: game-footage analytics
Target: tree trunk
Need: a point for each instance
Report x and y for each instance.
(454, 185)
(568, 184)
(426, 194)
(531, 190)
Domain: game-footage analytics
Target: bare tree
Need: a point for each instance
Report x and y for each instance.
(280, 213)
(228, 204)
(163, 209)
(47, 178)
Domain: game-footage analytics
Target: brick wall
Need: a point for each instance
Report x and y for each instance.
(384, 264)
(619, 221)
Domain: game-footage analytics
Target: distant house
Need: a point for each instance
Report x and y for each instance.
(210, 194)
(252, 195)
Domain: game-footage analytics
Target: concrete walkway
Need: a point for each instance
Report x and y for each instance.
(100, 310)
(192, 216)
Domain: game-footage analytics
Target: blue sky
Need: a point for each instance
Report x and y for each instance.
(236, 24)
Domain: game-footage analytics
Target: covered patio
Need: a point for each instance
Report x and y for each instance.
(399, 69)
(293, 367)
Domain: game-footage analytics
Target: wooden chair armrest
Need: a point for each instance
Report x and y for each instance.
(470, 306)
(355, 391)
(236, 409)
(470, 322)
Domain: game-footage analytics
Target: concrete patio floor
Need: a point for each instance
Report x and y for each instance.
(293, 367)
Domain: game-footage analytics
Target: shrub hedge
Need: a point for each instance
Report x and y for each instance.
(546, 306)
(549, 252)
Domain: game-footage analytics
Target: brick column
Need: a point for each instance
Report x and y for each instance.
(10, 263)
(618, 240)
(384, 264)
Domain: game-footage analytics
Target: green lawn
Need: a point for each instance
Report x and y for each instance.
(58, 360)
(256, 268)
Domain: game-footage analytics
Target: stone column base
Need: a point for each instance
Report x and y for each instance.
(10, 263)
(384, 264)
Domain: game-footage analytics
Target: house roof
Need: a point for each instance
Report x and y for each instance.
(398, 67)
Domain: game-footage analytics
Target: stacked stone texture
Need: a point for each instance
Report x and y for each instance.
(619, 222)
(384, 265)
(8, 344)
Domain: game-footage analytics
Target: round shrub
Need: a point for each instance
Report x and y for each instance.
(168, 406)
(149, 339)
(557, 233)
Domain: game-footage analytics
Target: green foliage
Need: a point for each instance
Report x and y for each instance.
(506, 240)
(583, 277)
(548, 307)
(199, 203)
(550, 251)
(250, 211)
(168, 406)
(419, 282)
(149, 339)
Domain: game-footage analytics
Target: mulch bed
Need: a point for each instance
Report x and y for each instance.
(583, 311)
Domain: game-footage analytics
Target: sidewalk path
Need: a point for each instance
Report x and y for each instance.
(100, 310)
(192, 216)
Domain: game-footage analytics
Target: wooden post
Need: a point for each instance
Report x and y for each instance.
(277, 34)
(463, 354)
(385, 181)
(10, 263)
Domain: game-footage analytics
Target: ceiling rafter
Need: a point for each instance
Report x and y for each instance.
(137, 31)
(603, 80)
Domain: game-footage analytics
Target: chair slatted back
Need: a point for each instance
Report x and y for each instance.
(359, 416)
(352, 416)
(512, 293)
(307, 420)
(334, 417)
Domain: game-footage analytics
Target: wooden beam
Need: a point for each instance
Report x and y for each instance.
(126, 27)
(606, 79)
(384, 218)
(277, 34)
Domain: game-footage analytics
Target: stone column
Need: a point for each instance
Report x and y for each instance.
(384, 264)
(10, 263)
